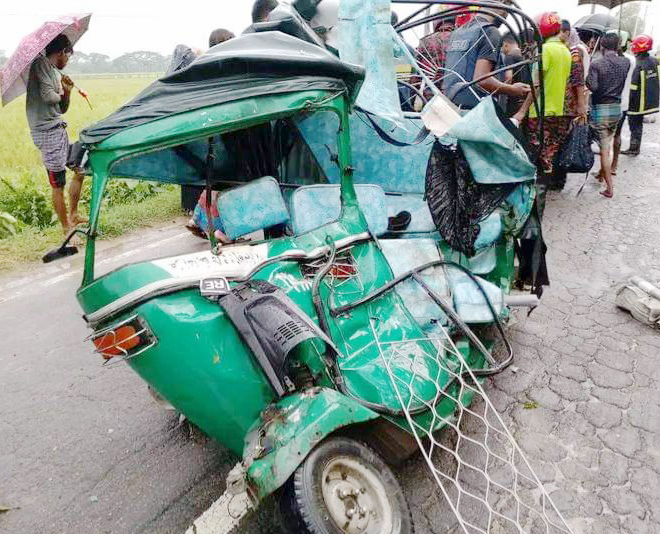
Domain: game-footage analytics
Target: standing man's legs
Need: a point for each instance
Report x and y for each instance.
(636, 123)
(57, 181)
(617, 143)
(54, 147)
(74, 196)
(606, 139)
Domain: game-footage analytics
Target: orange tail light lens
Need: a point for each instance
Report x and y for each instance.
(126, 339)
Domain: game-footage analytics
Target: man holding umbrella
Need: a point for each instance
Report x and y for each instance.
(35, 68)
(48, 96)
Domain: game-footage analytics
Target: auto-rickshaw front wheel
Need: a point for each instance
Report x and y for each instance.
(344, 487)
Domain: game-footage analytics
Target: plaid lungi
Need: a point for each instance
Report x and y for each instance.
(605, 120)
(54, 147)
(606, 113)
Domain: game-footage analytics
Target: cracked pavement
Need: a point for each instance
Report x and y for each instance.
(84, 448)
(583, 397)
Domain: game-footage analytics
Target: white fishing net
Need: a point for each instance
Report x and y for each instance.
(481, 471)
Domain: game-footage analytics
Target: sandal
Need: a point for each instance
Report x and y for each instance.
(607, 194)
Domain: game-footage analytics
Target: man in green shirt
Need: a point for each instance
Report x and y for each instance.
(556, 126)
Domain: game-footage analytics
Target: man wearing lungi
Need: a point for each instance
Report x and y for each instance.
(48, 95)
(607, 77)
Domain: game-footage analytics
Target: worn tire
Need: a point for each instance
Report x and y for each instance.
(305, 508)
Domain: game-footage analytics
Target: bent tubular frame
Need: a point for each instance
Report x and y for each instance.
(522, 22)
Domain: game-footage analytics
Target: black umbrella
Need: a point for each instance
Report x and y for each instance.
(609, 4)
(598, 22)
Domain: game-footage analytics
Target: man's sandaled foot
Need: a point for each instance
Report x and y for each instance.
(598, 176)
(76, 240)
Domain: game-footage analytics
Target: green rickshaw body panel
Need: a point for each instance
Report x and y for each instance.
(201, 366)
(290, 428)
(119, 283)
(200, 363)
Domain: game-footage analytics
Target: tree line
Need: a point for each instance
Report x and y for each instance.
(94, 63)
(139, 61)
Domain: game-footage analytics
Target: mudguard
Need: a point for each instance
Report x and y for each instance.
(289, 429)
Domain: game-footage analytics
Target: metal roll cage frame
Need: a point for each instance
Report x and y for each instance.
(522, 21)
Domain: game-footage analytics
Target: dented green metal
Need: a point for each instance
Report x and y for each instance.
(201, 365)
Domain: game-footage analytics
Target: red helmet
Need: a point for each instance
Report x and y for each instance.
(642, 43)
(549, 24)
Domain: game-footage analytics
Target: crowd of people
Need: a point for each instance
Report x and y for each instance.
(588, 78)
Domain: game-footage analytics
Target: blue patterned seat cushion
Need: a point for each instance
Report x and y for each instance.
(490, 231)
(469, 302)
(255, 206)
(404, 255)
(485, 140)
(314, 206)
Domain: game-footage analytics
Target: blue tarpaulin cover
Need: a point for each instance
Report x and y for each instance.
(365, 39)
(495, 156)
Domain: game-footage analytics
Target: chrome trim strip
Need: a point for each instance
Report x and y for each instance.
(170, 285)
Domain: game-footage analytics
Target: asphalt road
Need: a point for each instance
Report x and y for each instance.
(84, 448)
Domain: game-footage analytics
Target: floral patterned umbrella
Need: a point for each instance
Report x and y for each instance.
(14, 74)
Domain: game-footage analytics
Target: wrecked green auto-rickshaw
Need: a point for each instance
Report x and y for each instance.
(339, 336)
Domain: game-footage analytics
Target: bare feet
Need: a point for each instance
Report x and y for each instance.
(76, 240)
(75, 220)
(222, 238)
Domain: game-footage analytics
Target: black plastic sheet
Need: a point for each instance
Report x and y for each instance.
(252, 65)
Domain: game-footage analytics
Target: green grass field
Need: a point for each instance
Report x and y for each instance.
(21, 168)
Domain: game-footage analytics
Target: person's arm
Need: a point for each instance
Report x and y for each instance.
(492, 84)
(488, 54)
(577, 84)
(524, 109)
(47, 89)
(582, 102)
(67, 86)
(592, 78)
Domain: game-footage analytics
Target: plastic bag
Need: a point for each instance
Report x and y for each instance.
(576, 154)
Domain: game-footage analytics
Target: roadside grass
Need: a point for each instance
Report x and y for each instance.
(30, 244)
(24, 189)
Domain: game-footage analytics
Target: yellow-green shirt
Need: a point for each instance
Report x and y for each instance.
(556, 71)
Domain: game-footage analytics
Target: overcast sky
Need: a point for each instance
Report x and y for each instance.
(120, 26)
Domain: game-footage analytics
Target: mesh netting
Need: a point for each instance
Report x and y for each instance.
(481, 471)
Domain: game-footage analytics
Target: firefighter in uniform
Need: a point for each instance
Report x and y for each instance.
(644, 91)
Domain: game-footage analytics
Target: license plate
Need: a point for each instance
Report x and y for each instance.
(214, 287)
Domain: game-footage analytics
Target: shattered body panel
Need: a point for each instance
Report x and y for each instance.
(289, 429)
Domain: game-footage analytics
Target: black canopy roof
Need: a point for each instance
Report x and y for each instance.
(252, 65)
